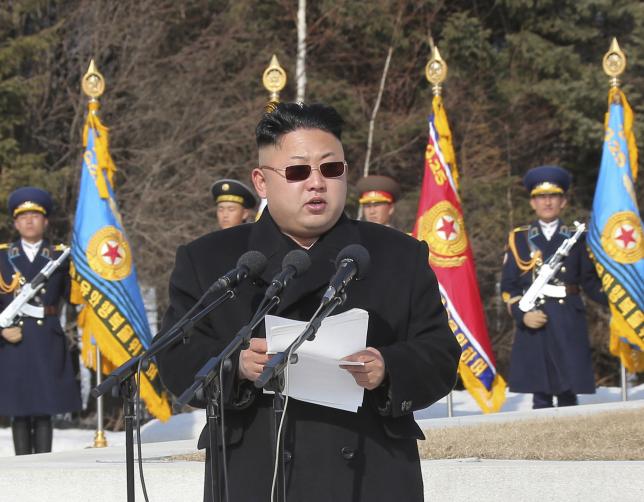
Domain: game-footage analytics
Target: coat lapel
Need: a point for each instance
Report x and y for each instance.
(557, 238)
(22, 263)
(267, 238)
(42, 258)
(548, 247)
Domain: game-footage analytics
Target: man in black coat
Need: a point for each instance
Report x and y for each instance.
(411, 356)
(37, 377)
(551, 351)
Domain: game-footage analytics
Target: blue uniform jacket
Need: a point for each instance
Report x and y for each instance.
(36, 374)
(557, 357)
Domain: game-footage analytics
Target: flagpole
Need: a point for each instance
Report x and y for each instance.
(274, 80)
(614, 64)
(93, 85)
(100, 441)
(623, 381)
(436, 73)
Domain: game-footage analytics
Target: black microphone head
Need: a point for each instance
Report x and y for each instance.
(359, 255)
(298, 259)
(254, 261)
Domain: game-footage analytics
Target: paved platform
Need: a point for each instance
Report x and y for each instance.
(98, 475)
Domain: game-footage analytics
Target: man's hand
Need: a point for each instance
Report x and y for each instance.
(372, 373)
(253, 359)
(12, 334)
(535, 319)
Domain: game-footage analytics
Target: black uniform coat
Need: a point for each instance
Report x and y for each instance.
(555, 358)
(36, 374)
(334, 455)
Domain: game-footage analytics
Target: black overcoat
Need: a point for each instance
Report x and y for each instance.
(37, 376)
(557, 357)
(334, 455)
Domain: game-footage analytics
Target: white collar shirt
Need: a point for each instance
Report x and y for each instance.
(548, 229)
(31, 250)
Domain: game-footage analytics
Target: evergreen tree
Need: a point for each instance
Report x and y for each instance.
(27, 34)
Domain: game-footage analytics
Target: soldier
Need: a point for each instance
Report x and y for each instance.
(234, 201)
(36, 373)
(551, 351)
(378, 195)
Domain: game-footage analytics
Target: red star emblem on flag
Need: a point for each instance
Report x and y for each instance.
(112, 252)
(626, 236)
(447, 227)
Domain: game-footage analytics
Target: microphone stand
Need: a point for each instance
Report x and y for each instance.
(272, 378)
(124, 377)
(207, 380)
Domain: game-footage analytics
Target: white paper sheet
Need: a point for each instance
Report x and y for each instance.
(317, 377)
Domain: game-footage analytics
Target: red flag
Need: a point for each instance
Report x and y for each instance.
(439, 222)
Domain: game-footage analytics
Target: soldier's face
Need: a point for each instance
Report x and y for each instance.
(548, 206)
(378, 212)
(304, 209)
(230, 214)
(31, 225)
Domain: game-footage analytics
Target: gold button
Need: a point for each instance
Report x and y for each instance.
(43, 291)
(561, 301)
(40, 322)
(563, 270)
(21, 323)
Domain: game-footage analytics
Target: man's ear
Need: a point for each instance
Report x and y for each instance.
(392, 208)
(564, 201)
(245, 214)
(259, 182)
(46, 224)
(533, 204)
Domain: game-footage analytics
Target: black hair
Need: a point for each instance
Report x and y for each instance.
(289, 117)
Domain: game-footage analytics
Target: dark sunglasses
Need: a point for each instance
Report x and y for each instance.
(301, 172)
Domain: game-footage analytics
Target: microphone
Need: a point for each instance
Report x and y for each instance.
(352, 263)
(294, 264)
(250, 265)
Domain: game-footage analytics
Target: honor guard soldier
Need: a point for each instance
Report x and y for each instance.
(378, 195)
(234, 201)
(551, 351)
(37, 377)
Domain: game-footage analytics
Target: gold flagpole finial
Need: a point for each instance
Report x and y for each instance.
(274, 80)
(93, 81)
(614, 63)
(436, 70)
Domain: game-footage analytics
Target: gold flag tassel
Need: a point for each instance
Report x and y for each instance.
(94, 85)
(436, 73)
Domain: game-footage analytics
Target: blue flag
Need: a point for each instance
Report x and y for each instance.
(104, 278)
(615, 235)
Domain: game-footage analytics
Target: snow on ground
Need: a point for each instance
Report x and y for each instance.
(189, 425)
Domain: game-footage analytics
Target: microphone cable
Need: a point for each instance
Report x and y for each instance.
(281, 425)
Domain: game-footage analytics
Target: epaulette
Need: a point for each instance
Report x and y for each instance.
(523, 265)
(4, 246)
(59, 247)
(515, 230)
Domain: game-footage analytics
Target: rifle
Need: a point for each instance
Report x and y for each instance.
(19, 306)
(549, 269)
